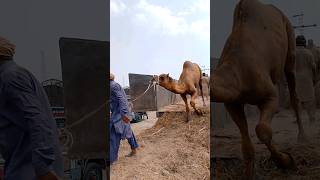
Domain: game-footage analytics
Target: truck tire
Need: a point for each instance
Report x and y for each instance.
(93, 172)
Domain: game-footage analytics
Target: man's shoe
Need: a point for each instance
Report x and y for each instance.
(132, 153)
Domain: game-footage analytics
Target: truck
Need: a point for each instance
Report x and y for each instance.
(84, 65)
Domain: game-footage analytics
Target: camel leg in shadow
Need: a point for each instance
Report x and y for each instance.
(264, 133)
(237, 114)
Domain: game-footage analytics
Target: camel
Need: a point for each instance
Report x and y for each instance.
(187, 84)
(259, 49)
(206, 84)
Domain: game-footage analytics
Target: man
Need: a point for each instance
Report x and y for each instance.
(316, 54)
(120, 121)
(305, 77)
(28, 133)
(205, 80)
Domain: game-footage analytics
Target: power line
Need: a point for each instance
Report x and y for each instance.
(301, 26)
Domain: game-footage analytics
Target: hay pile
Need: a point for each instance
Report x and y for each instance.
(171, 149)
(227, 163)
(307, 159)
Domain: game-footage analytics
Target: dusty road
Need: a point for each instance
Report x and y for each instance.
(307, 156)
(170, 149)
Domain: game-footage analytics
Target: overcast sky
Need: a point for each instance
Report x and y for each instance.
(153, 36)
(37, 25)
(222, 11)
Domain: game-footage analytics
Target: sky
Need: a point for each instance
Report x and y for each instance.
(36, 25)
(154, 37)
(222, 12)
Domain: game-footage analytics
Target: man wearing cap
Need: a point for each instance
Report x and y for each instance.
(305, 77)
(28, 133)
(119, 125)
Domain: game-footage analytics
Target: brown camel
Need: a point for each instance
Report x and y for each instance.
(187, 84)
(206, 85)
(260, 48)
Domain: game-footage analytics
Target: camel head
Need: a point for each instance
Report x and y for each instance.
(164, 80)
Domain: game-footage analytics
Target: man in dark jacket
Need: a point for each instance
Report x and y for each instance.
(28, 134)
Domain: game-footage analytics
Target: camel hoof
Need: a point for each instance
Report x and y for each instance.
(249, 173)
(285, 161)
(199, 112)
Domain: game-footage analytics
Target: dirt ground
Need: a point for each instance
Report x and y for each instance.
(227, 158)
(170, 148)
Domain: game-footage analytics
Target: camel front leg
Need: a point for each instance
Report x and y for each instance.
(237, 114)
(184, 97)
(193, 103)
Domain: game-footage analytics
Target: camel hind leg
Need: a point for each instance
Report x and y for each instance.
(291, 79)
(264, 132)
(184, 97)
(193, 102)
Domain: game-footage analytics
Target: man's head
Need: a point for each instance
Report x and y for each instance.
(301, 41)
(7, 49)
(111, 77)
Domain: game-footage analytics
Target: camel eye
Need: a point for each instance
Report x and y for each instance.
(161, 78)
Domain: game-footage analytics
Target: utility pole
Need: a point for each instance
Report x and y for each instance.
(204, 69)
(301, 26)
(43, 66)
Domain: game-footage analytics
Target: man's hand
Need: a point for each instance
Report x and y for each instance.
(48, 176)
(126, 119)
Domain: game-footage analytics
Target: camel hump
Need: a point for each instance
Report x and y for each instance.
(187, 64)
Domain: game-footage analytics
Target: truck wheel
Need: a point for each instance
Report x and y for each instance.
(93, 172)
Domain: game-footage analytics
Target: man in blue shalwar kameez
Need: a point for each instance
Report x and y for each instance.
(119, 125)
(29, 140)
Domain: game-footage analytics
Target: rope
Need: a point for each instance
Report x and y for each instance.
(87, 116)
(153, 84)
(65, 132)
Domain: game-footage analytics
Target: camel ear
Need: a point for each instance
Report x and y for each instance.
(168, 75)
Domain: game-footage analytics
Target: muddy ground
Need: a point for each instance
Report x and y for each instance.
(227, 158)
(170, 149)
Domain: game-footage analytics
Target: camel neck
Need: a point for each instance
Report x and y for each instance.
(177, 87)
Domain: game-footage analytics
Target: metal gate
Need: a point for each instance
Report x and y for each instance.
(153, 99)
